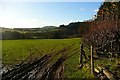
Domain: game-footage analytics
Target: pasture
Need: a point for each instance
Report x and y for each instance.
(16, 51)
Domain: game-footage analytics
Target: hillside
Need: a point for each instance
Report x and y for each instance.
(73, 30)
(44, 53)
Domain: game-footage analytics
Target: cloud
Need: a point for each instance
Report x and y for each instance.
(82, 9)
(96, 10)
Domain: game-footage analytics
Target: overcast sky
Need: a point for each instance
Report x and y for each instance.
(39, 14)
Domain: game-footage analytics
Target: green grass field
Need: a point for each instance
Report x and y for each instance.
(15, 51)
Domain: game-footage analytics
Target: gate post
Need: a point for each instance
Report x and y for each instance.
(80, 58)
(92, 61)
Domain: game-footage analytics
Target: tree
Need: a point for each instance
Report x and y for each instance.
(103, 31)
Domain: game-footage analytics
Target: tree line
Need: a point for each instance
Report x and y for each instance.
(72, 30)
(104, 32)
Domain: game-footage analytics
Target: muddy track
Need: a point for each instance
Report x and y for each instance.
(22, 70)
(40, 69)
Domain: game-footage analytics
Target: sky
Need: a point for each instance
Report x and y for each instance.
(40, 14)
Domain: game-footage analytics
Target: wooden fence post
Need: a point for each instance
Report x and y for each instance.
(80, 58)
(92, 62)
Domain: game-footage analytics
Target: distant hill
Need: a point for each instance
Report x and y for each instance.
(49, 27)
(72, 30)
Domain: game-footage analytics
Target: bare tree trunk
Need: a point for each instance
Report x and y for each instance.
(111, 45)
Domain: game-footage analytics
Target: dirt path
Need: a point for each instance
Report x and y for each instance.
(47, 67)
